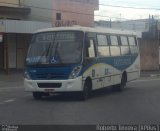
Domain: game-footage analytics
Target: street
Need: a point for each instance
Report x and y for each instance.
(137, 104)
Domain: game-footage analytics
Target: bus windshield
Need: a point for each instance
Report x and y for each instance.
(61, 47)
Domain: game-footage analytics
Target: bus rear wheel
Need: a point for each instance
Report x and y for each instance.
(120, 87)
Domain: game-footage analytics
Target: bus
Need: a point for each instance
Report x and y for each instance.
(80, 59)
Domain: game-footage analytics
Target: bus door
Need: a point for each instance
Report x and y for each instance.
(90, 61)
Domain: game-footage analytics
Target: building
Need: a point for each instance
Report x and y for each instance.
(16, 29)
(41, 10)
(63, 12)
(138, 26)
(74, 12)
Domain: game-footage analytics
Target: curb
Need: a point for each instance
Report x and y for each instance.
(155, 75)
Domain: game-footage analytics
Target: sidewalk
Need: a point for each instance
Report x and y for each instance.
(13, 79)
(150, 73)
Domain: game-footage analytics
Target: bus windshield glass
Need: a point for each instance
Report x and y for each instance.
(61, 47)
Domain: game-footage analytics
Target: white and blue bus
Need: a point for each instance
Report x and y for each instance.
(80, 59)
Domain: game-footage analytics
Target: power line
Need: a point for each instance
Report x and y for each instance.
(143, 8)
(66, 11)
(129, 7)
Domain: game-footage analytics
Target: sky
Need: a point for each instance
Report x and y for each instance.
(122, 14)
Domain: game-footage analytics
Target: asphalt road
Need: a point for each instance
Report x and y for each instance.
(137, 104)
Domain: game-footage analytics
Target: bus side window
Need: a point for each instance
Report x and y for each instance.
(124, 45)
(115, 49)
(103, 46)
(133, 45)
(91, 48)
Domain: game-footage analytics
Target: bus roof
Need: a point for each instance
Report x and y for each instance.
(89, 29)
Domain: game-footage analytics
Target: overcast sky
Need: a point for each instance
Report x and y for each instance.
(116, 13)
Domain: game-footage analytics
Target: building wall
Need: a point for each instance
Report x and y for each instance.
(4, 14)
(74, 12)
(16, 50)
(1, 55)
(149, 54)
(16, 38)
(10, 3)
(41, 10)
(45, 10)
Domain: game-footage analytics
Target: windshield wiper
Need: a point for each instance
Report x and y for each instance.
(43, 54)
(56, 54)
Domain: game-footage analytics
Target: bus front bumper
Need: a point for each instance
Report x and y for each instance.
(70, 85)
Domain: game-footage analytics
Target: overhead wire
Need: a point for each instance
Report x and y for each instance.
(67, 11)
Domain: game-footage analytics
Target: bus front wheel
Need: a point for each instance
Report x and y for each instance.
(86, 93)
(37, 95)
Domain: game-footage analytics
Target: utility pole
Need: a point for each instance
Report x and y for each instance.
(110, 23)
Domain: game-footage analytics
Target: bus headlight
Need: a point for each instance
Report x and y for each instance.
(26, 75)
(75, 72)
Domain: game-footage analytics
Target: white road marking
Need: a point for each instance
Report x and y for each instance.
(8, 101)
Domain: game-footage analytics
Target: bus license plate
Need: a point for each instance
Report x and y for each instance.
(49, 90)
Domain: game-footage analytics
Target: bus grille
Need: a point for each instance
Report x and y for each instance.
(50, 76)
(49, 85)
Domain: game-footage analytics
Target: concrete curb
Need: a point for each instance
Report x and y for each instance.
(155, 75)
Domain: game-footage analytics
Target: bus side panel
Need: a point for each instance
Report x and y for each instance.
(133, 72)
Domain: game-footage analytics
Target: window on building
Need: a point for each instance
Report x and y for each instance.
(58, 16)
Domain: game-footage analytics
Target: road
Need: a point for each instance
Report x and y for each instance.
(137, 104)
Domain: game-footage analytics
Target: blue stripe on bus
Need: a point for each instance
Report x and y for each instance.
(50, 73)
(62, 73)
(119, 62)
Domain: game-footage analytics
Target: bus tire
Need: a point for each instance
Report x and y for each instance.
(120, 87)
(86, 93)
(37, 95)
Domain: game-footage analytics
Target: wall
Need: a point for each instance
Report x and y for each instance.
(41, 10)
(73, 12)
(13, 9)
(1, 55)
(149, 54)
(45, 10)
(17, 46)
(11, 3)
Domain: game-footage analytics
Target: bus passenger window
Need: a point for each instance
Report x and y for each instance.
(124, 46)
(115, 48)
(114, 40)
(124, 40)
(133, 46)
(103, 48)
(91, 49)
(102, 40)
(132, 41)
